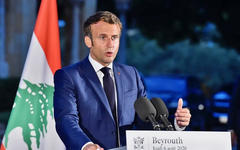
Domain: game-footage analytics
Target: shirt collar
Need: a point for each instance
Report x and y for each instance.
(96, 65)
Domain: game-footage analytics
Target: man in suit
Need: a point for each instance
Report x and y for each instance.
(94, 105)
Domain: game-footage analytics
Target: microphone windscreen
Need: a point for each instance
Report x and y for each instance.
(160, 107)
(144, 108)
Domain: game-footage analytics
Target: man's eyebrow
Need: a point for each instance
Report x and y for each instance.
(104, 34)
(116, 35)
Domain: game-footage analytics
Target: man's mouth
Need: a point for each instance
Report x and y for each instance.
(109, 54)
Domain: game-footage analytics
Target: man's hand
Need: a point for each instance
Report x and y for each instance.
(182, 115)
(92, 146)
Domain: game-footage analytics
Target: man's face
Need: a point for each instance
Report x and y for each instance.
(105, 42)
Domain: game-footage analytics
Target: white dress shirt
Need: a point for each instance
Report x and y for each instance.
(97, 66)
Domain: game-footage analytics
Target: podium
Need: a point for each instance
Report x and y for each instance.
(177, 140)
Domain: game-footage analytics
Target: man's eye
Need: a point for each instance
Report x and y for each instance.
(102, 37)
(114, 38)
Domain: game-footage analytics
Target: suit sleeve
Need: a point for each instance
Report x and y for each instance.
(65, 112)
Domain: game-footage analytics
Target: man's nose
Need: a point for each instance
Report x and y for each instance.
(110, 43)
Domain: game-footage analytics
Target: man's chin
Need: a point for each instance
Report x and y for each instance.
(107, 62)
(109, 59)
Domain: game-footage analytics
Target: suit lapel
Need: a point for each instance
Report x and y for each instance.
(92, 77)
(119, 88)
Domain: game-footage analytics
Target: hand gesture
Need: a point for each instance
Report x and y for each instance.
(182, 115)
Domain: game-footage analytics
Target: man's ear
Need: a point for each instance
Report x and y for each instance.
(88, 41)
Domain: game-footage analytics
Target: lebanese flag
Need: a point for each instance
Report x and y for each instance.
(31, 125)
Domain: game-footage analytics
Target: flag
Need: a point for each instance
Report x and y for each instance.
(31, 125)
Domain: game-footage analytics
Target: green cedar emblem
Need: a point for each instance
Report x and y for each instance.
(30, 111)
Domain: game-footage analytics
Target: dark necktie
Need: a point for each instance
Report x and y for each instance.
(108, 86)
(109, 89)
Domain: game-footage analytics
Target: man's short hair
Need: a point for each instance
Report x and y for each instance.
(105, 16)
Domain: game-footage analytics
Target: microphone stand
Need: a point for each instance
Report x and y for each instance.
(166, 123)
(155, 124)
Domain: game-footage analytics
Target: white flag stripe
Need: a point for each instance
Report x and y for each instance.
(36, 68)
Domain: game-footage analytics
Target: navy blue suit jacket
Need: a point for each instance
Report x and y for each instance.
(81, 108)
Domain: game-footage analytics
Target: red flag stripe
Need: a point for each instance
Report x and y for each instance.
(2, 147)
(47, 32)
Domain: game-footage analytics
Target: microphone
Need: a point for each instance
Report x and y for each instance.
(146, 111)
(162, 113)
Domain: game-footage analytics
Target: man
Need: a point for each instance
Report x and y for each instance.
(87, 115)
